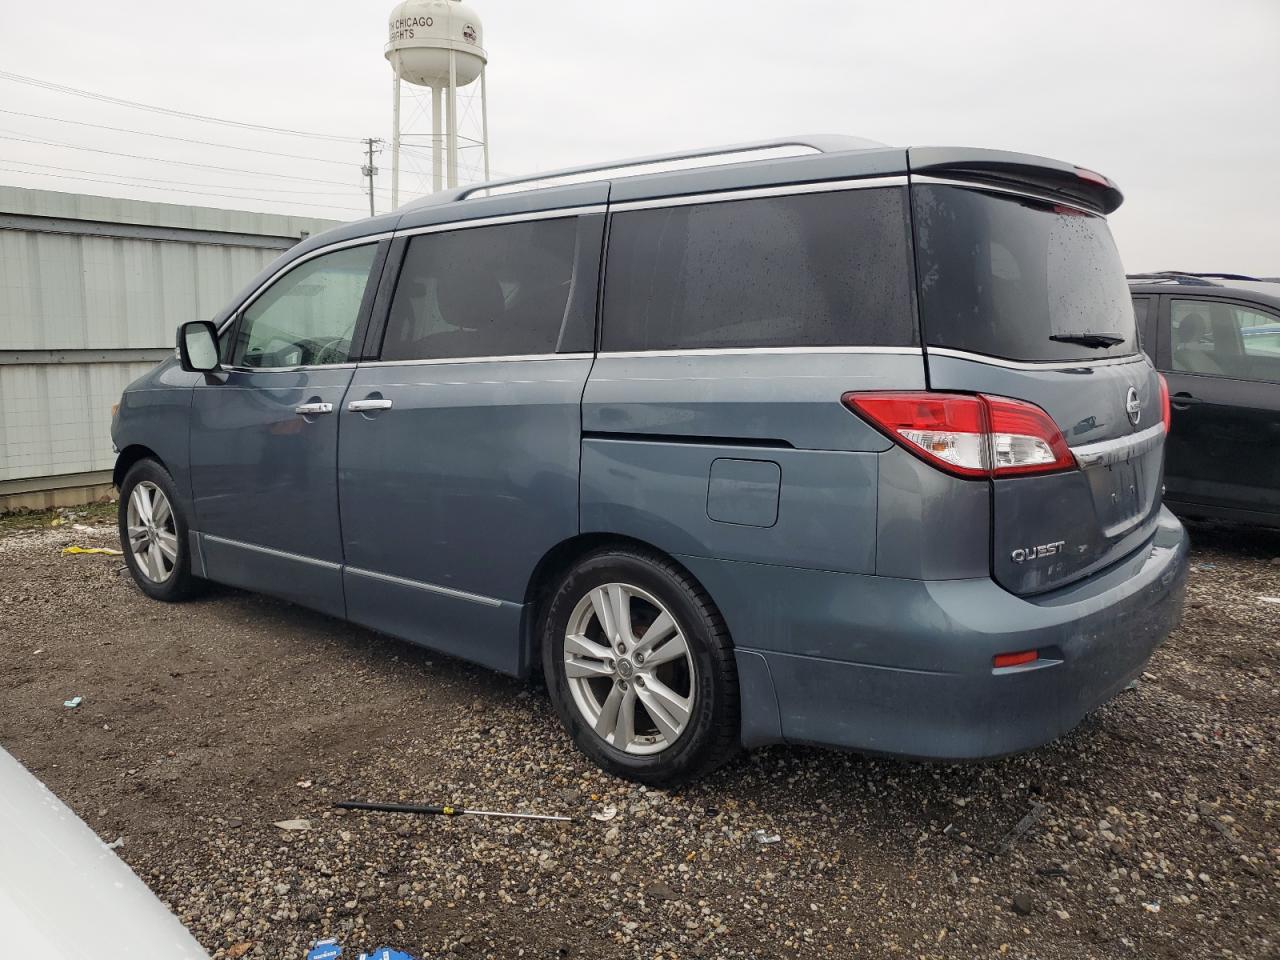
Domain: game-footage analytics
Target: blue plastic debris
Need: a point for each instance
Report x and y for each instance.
(73, 702)
(325, 950)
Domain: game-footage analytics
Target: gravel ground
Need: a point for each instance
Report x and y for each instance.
(204, 724)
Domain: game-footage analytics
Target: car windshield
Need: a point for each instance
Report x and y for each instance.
(1019, 278)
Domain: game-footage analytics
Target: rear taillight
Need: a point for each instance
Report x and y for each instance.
(1166, 413)
(969, 435)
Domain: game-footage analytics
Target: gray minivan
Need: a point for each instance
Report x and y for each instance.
(850, 446)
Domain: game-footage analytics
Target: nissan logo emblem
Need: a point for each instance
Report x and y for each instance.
(1133, 407)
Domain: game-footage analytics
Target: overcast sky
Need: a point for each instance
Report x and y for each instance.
(1177, 101)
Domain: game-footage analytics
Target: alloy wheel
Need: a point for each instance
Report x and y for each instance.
(153, 535)
(629, 669)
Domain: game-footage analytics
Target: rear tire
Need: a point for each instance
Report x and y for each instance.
(153, 534)
(640, 667)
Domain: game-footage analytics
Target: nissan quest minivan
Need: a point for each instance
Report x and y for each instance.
(813, 441)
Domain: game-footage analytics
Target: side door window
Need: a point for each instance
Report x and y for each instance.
(1217, 338)
(817, 270)
(504, 290)
(308, 316)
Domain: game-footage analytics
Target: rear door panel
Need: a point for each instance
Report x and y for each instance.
(1225, 433)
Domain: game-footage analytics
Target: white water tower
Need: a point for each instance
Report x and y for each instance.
(437, 44)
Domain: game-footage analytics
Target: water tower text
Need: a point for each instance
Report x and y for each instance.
(402, 28)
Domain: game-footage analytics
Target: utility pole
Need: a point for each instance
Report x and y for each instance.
(369, 171)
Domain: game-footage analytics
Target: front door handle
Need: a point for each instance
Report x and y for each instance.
(311, 409)
(1181, 401)
(364, 406)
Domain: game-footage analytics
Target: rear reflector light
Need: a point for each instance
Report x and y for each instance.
(1015, 659)
(1166, 413)
(968, 435)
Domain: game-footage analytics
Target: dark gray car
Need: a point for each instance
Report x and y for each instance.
(1217, 339)
(853, 447)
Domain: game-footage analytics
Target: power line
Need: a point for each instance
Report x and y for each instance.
(181, 163)
(165, 136)
(199, 193)
(188, 183)
(104, 98)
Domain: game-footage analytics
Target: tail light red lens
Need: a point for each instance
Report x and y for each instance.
(1166, 412)
(1092, 176)
(968, 435)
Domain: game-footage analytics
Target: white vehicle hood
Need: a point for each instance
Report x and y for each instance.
(64, 895)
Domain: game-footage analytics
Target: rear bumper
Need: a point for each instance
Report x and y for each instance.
(905, 666)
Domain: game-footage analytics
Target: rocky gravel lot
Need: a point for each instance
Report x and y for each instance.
(203, 725)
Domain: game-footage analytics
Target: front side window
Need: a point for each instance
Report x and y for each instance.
(503, 290)
(307, 317)
(822, 269)
(1214, 338)
(1019, 278)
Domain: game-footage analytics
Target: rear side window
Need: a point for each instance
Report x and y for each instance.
(827, 269)
(1018, 278)
(504, 290)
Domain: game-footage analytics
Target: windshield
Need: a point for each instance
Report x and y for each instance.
(1018, 278)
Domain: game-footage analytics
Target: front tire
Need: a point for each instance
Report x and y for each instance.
(640, 668)
(153, 534)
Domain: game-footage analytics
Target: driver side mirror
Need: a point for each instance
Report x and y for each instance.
(198, 347)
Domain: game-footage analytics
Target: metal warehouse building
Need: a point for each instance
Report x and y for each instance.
(91, 291)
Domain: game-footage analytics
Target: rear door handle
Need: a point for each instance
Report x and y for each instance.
(1181, 401)
(311, 409)
(363, 406)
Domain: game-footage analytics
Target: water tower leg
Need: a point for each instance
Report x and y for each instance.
(484, 121)
(437, 143)
(395, 142)
(453, 119)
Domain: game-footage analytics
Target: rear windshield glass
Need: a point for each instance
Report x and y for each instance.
(1017, 278)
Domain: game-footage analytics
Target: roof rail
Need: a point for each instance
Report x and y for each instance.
(1226, 276)
(820, 143)
(1174, 276)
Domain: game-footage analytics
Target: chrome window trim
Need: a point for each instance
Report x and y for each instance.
(373, 238)
(269, 551)
(1036, 365)
(557, 213)
(496, 358)
(751, 193)
(758, 351)
(924, 178)
(317, 366)
(1119, 449)
(429, 587)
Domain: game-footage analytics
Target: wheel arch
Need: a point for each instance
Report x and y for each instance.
(128, 457)
(554, 564)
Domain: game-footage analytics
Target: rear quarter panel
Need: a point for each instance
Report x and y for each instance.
(654, 426)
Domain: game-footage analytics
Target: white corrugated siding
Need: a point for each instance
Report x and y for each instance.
(69, 291)
(56, 418)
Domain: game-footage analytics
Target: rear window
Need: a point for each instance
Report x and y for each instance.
(828, 269)
(1004, 276)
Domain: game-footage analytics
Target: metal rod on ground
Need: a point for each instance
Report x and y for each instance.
(444, 811)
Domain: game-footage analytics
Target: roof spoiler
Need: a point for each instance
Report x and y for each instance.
(998, 168)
